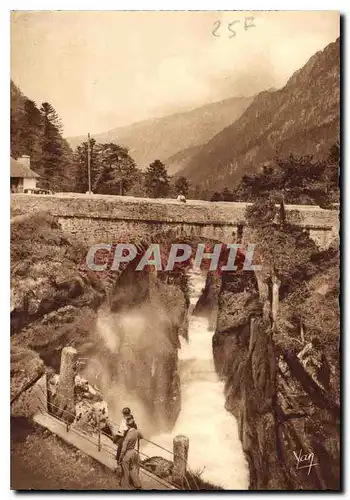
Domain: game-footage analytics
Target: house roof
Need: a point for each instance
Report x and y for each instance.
(18, 169)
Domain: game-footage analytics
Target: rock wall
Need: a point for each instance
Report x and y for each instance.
(54, 298)
(280, 399)
(28, 382)
(57, 302)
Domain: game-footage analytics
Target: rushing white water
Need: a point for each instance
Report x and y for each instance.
(214, 446)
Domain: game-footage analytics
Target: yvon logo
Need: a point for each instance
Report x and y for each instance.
(304, 461)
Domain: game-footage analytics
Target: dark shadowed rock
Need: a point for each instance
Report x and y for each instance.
(275, 387)
(159, 466)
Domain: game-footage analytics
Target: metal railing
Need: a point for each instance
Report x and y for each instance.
(83, 361)
(111, 450)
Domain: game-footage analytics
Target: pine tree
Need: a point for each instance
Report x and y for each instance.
(138, 188)
(50, 114)
(216, 197)
(56, 157)
(17, 113)
(116, 170)
(227, 195)
(157, 180)
(67, 179)
(182, 186)
(31, 134)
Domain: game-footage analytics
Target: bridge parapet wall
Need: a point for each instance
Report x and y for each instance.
(97, 218)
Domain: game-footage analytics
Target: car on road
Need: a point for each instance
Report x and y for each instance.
(37, 191)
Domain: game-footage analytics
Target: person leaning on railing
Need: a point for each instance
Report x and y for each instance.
(128, 458)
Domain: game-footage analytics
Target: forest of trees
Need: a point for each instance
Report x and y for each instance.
(113, 171)
(37, 132)
(224, 195)
(299, 179)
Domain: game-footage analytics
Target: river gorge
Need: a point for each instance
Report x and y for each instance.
(190, 353)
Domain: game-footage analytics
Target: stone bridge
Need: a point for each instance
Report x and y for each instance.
(104, 219)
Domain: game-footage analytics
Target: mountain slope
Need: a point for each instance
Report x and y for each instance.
(161, 138)
(180, 160)
(302, 117)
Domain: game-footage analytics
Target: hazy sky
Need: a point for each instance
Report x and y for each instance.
(105, 69)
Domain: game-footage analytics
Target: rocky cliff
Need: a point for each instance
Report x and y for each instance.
(282, 383)
(126, 323)
(54, 298)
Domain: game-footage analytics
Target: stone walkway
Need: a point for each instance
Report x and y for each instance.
(88, 445)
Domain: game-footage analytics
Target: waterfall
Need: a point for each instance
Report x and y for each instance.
(215, 448)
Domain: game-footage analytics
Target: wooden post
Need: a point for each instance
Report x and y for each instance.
(275, 297)
(99, 431)
(66, 385)
(180, 449)
(99, 439)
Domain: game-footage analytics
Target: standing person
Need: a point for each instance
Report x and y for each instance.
(129, 456)
(123, 428)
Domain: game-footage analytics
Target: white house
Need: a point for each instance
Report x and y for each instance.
(22, 177)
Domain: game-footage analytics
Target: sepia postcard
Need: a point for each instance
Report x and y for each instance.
(175, 202)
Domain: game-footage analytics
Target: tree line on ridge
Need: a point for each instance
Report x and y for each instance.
(37, 132)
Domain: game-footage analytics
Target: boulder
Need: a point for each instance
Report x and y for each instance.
(159, 466)
(26, 369)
